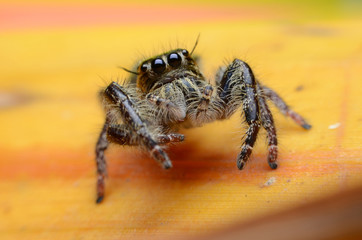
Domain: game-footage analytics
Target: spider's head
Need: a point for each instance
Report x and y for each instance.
(165, 68)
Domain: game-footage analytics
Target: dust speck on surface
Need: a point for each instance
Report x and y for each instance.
(334, 126)
(11, 99)
(299, 88)
(269, 182)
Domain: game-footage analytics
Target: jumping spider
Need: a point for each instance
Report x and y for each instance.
(168, 92)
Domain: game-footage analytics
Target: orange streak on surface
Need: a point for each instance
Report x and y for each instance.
(188, 165)
(46, 16)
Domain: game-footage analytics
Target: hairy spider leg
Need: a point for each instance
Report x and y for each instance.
(101, 146)
(267, 121)
(247, 147)
(283, 107)
(121, 135)
(237, 86)
(129, 115)
(170, 138)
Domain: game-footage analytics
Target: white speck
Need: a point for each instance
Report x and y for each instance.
(270, 181)
(334, 126)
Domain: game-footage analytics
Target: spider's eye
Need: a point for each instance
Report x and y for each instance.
(144, 67)
(158, 65)
(185, 52)
(174, 60)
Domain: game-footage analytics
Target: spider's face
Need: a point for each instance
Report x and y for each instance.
(164, 68)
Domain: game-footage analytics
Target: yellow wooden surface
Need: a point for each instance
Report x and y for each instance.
(50, 118)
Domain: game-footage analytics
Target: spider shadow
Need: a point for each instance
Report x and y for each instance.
(193, 169)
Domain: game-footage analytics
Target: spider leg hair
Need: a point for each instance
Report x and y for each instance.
(116, 94)
(284, 108)
(267, 121)
(101, 146)
(238, 86)
(119, 134)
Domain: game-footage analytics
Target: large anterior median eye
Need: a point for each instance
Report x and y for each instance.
(174, 60)
(158, 65)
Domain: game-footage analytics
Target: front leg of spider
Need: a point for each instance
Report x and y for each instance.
(115, 94)
(101, 146)
(120, 134)
(238, 86)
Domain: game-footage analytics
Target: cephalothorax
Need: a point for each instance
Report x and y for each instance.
(168, 92)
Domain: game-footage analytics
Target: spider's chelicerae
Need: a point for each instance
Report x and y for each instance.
(168, 92)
